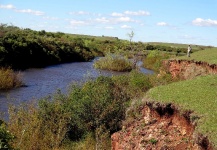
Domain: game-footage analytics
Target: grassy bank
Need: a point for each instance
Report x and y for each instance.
(9, 79)
(206, 55)
(198, 95)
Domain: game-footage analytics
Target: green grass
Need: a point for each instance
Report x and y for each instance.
(208, 55)
(178, 45)
(199, 95)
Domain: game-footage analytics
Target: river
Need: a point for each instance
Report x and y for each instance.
(46, 81)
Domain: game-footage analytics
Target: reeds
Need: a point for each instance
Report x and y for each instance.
(9, 79)
(114, 63)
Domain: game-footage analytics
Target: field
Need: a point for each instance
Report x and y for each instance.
(207, 55)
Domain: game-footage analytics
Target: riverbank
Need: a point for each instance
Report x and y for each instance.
(151, 122)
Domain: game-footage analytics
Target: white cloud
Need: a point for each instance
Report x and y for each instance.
(124, 19)
(204, 22)
(137, 13)
(126, 27)
(79, 13)
(114, 20)
(9, 6)
(102, 20)
(162, 24)
(109, 27)
(114, 14)
(50, 18)
(77, 23)
(30, 11)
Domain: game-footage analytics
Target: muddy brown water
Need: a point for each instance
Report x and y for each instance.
(45, 82)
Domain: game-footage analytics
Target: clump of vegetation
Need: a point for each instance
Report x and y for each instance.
(88, 115)
(38, 128)
(154, 60)
(114, 63)
(9, 79)
(5, 137)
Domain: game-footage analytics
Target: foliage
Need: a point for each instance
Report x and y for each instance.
(38, 128)
(5, 137)
(24, 48)
(9, 79)
(89, 114)
(97, 104)
(154, 60)
(114, 63)
(134, 84)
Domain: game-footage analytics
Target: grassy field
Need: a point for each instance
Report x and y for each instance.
(178, 45)
(208, 55)
(198, 95)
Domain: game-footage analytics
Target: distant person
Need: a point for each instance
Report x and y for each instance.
(189, 50)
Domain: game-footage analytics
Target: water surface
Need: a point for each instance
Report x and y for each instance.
(46, 81)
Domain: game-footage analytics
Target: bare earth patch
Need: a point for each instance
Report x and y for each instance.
(159, 127)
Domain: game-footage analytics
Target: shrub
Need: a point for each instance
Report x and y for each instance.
(154, 60)
(5, 137)
(38, 128)
(114, 63)
(133, 85)
(97, 103)
(9, 79)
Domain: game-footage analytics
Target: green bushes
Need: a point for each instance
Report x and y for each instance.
(114, 63)
(88, 114)
(5, 137)
(44, 127)
(9, 79)
(154, 60)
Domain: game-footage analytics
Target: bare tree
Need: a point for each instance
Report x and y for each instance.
(133, 48)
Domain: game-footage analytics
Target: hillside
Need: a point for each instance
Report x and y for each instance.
(180, 115)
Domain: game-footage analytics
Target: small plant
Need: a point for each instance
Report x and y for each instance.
(153, 141)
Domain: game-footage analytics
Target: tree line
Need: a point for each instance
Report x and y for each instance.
(26, 48)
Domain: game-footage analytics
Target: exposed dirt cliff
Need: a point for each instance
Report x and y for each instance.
(188, 69)
(163, 127)
(159, 127)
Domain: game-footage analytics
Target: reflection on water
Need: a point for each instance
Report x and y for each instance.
(46, 81)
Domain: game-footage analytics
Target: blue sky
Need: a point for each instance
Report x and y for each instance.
(176, 21)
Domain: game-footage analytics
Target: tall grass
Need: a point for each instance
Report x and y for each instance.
(9, 79)
(114, 63)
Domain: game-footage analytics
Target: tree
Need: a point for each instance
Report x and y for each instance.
(132, 49)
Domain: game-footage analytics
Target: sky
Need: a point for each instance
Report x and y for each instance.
(171, 21)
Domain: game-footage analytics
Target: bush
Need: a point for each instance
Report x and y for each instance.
(89, 114)
(38, 128)
(9, 79)
(5, 137)
(133, 85)
(97, 103)
(114, 63)
(154, 60)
